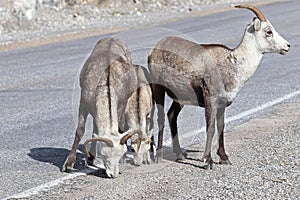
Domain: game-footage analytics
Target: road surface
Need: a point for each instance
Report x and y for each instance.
(39, 90)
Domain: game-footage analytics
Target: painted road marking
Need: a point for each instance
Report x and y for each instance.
(239, 116)
(49, 185)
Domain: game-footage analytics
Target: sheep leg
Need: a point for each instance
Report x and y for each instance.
(210, 116)
(159, 95)
(68, 165)
(122, 121)
(220, 124)
(92, 152)
(221, 151)
(172, 117)
(152, 148)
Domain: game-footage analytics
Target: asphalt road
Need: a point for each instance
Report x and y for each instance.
(39, 90)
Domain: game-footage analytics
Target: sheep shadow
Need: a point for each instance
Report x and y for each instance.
(192, 159)
(168, 154)
(57, 156)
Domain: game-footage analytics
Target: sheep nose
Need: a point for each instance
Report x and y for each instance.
(285, 49)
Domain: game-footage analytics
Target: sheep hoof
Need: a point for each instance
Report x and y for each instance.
(90, 160)
(225, 162)
(208, 166)
(146, 162)
(159, 156)
(181, 156)
(64, 169)
(208, 163)
(158, 159)
(68, 170)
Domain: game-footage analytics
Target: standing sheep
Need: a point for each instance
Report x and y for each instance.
(208, 75)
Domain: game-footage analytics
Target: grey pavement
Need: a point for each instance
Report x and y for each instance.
(39, 89)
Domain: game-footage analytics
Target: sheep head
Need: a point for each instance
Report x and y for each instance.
(141, 147)
(267, 38)
(111, 150)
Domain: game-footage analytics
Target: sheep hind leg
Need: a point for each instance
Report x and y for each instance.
(172, 117)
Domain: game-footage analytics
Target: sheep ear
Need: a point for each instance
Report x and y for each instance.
(256, 24)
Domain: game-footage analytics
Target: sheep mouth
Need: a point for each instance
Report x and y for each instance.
(283, 51)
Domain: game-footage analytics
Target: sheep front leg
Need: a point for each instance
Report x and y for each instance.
(220, 124)
(93, 149)
(210, 116)
(68, 165)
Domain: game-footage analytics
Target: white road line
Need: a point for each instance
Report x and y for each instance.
(49, 185)
(262, 107)
(241, 115)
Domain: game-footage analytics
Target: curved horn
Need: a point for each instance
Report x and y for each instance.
(128, 135)
(95, 139)
(256, 11)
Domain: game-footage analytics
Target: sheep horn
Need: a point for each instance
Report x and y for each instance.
(258, 13)
(95, 139)
(128, 135)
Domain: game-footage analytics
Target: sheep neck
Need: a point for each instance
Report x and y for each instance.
(106, 119)
(247, 57)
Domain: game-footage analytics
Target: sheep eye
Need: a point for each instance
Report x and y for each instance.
(269, 33)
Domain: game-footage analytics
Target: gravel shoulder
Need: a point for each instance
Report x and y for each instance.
(265, 156)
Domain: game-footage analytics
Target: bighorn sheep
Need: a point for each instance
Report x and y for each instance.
(208, 75)
(107, 81)
(138, 116)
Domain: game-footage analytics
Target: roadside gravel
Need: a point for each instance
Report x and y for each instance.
(50, 22)
(266, 165)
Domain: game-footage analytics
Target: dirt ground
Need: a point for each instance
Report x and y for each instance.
(265, 165)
